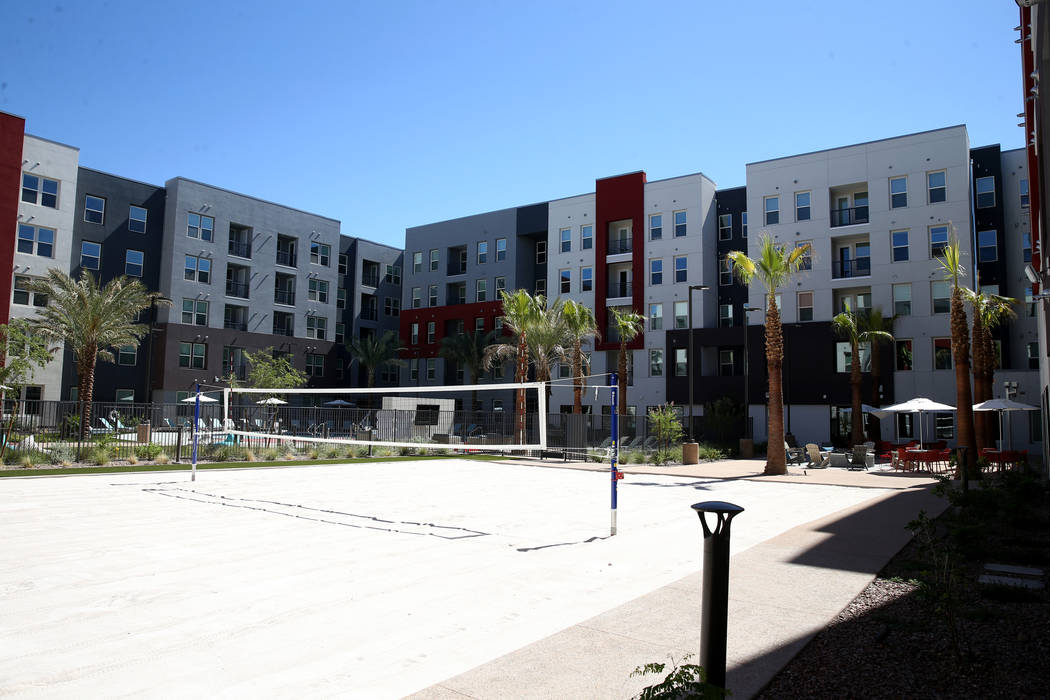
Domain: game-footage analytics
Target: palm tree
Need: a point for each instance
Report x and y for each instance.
(581, 328)
(951, 264)
(92, 320)
(851, 327)
(374, 352)
(548, 341)
(520, 312)
(989, 311)
(468, 351)
(773, 267)
(627, 325)
(874, 320)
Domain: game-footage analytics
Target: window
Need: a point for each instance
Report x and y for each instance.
(941, 295)
(586, 237)
(566, 239)
(340, 298)
(656, 317)
(413, 370)
(414, 334)
(431, 331)
(344, 264)
(541, 286)
(942, 353)
(417, 300)
(126, 355)
(565, 276)
(802, 206)
(656, 227)
(316, 326)
(435, 258)
(903, 354)
(481, 290)
(656, 362)
(681, 363)
(1032, 351)
(432, 295)
(985, 192)
(902, 299)
(1026, 246)
(844, 357)
(726, 364)
(725, 272)
(498, 324)
(42, 191)
(483, 252)
(772, 205)
(679, 224)
(320, 254)
(681, 314)
(936, 189)
(938, 240)
(479, 324)
(133, 262)
(586, 279)
(198, 226)
(392, 274)
(340, 332)
(501, 285)
(806, 261)
(314, 365)
(1024, 192)
(501, 249)
(137, 219)
(195, 312)
(899, 241)
(725, 315)
(1029, 299)
(36, 240)
(431, 369)
(391, 306)
(805, 306)
(898, 192)
(90, 255)
(191, 355)
(725, 227)
(94, 209)
(317, 290)
(944, 426)
(417, 261)
(541, 252)
(743, 224)
(656, 272)
(987, 246)
(124, 395)
(681, 269)
(23, 296)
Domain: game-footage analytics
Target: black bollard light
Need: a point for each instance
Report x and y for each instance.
(714, 605)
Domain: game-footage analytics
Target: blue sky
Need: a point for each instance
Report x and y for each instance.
(392, 114)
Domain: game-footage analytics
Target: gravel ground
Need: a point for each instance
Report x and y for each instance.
(894, 640)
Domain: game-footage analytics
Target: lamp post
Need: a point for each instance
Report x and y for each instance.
(747, 363)
(689, 358)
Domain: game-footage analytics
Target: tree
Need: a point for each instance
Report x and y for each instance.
(92, 321)
(850, 326)
(548, 340)
(374, 352)
(953, 268)
(265, 370)
(21, 353)
(627, 325)
(875, 321)
(468, 350)
(772, 268)
(520, 312)
(580, 328)
(989, 311)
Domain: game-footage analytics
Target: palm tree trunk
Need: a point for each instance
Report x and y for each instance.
(856, 419)
(622, 380)
(876, 384)
(87, 376)
(577, 380)
(776, 459)
(963, 395)
(988, 382)
(980, 423)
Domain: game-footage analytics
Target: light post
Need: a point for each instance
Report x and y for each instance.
(689, 358)
(747, 362)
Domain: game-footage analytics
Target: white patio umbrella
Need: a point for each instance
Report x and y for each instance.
(920, 405)
(338, 402)
(204, 399)
(1002, 405)
(873, 410)
(273, 400)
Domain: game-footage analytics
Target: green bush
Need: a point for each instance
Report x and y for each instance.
(668, 455)
(268, 454)
(99, 456)
(708, 451)
(149, 451)
(62, 454)
(26, 458)
(665, 424)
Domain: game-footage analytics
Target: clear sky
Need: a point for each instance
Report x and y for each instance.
(388, 114)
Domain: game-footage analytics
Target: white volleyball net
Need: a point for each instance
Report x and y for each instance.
(477, 418)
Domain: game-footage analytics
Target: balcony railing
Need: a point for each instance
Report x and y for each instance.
(617, 289)
(283, 328)
(850, 216)
(369, 314)
(370, 280)
(235, 325)
(844, 269)
(284, 296)
(619, 245)
(286, 258)
(237, 289)
(241, 250)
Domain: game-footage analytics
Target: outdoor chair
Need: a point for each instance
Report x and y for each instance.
(861, 458)
(108, 427)
(795, 455)
(651, 443)
(817, 459)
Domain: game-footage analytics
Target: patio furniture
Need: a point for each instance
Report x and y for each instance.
(817, 459)
(861, 459)
(839, 459)
(795, 455)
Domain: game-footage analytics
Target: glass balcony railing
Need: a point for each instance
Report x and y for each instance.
(844, 269)
(619, 245)
(284, 296)
(241, 250)
(850, 216)
(283, 329)
(235, 324)
(619, 289)
(286, 258)
(237, 289)
(370, 280)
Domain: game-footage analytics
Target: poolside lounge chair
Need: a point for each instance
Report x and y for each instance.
(817, 459)
(108, 426)
(651, 443)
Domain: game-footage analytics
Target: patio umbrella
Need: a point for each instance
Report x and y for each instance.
(338, 402)
(273, 400)
(877, 412)
(920, 405)
(204, 399)
(1002, 405)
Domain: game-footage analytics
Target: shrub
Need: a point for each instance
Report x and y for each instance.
(250, 456)
(333, 452)
(712, 452)
(26, 458)
(99, 456)
(313, 453)
(668, 455)
(269, 454)
(359, 451)
(665, 425)
(149, 451)
(162, 458)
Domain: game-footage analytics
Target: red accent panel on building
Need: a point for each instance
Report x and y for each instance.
(615, 199)
(1034, 192)
(441, 315)
(12, 136)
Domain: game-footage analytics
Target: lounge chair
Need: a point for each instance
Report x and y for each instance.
(651, 443)
(607, 442)
(795, 455)
(817, 459)
(861, 459)
(108, 426)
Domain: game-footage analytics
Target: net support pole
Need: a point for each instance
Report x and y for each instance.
(541, 404)
(196, 422)
(615, 454)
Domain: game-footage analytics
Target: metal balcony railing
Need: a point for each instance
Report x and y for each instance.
(617, 289)
(850, 216)
(370, 280)
(286, 257)
(619, 245)
(235, 325)
(280, 328)
(240, 249)
(369, 314)
(284, 296)
(844, 269)
(237, 289)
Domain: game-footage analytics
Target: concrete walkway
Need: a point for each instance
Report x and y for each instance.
(782, 592)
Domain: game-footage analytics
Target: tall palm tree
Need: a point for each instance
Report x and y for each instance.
(874, 320)
(627, 326)
(989, 311)
(548, 341)
(772, 267)
(468, 351)
(92, 320)
(580, 327)
(953, 268)
(851, 327)
(520, 312)
(374, 352)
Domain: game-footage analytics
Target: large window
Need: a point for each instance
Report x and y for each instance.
(656, 362)
(726, 363)
(936, 187)
(126, 355)
(987, 246)
(483, 252)
(137, 219)
(36, 240)
(541, 252)
(679, 224)
(501, 249)
(199, 226)
(392, 274)
(320, 253)
(772, 205)
(413, 336)
(94, 209)
(90, 255)
(656, 317)
(805, 306)
(656, 227)
(344, 263)
(681, 268)
(23, 296)
(902, 299)
(942, 353)
(431, 331)
(481, 290)
(898, 192)
(725, 315)
(725, 272)
(802, 209)
(681, 314)
(566, 239)
(340, 298)
(317, 290)
(844, 357)
(40, 190)
(944, 426)
(417, 261)
(985, 192)
(586, 237)
(565, 280)
(586, 279)
(133, 263)
(938, 240)
(941, 294)
(195, 312)
(725, 227)
(501, 285)
(903, 354)
(899, 240)
(417, 299)
(656, 272)
(681, 363)
(192, 355)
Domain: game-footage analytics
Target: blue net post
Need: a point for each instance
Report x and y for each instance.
(614, 433)
(196, 422)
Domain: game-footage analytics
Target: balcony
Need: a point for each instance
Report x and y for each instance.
(849, 216)
(286, 258)
(369, 314)
(283, 329)
(240, 249)
(618, 246)
(844, 269)
(237, 369)
(284, 296)
(370, 280)
(234, 324)
(620, 290)
(237, 289)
